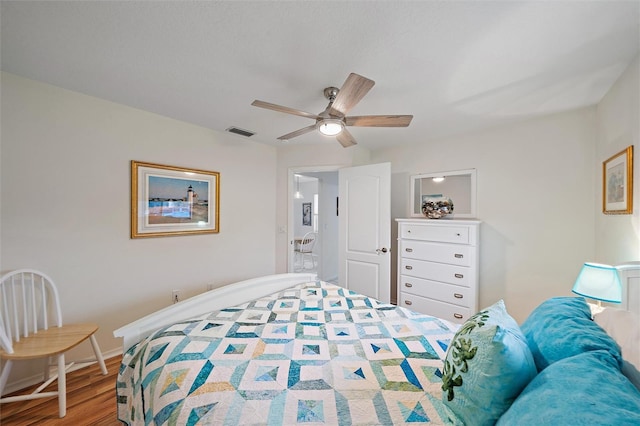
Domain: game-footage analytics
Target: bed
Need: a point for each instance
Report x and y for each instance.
(289, 349)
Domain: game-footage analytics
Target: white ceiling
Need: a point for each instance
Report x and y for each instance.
(456, 66)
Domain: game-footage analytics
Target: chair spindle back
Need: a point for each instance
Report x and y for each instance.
(28, 302)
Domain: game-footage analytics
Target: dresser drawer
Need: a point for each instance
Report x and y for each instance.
(435, 308)
(442, 233)
(458, 275)
(436, 252)
(454, 294)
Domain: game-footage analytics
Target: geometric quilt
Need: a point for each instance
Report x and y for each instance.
(309, 355)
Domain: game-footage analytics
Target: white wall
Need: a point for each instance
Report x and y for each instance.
(535, 197)
(328, 226)
(327, 245)
(618, 236)
(65, 204)
(307, 189)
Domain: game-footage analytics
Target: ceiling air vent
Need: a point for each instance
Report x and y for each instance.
(240, 132)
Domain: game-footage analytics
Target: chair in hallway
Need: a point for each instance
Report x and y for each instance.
(304, 249)
(31, 328)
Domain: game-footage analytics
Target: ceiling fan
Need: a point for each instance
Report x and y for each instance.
(333, 120)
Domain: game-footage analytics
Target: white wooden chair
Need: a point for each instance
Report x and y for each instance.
(31, 327)
(304, 249)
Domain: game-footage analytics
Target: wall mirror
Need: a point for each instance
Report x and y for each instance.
(459, 185)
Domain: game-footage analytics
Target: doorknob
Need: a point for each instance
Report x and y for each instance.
(382, 250)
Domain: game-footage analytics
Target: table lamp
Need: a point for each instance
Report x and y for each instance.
(599, 282)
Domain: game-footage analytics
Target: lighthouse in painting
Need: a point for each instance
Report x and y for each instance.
(190, 196)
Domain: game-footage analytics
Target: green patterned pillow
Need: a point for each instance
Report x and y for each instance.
(488, 363)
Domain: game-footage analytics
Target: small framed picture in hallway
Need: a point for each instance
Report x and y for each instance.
(306, 214)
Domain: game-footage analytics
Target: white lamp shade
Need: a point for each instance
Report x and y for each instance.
(330, 127)
(599, 282)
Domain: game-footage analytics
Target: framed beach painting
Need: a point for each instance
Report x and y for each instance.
(617, 183)
(169, 200)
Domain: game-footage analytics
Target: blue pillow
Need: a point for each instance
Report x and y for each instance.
(562, 327)
(586, 389)
(487, 364)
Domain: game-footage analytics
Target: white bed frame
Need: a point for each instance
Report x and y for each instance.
(220, 298)
(630, 277)
(245, 291)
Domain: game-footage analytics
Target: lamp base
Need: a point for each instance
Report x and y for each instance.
(595, 308)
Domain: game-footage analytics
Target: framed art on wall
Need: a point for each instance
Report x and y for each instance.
(306, 214)
(617, 183)
(169, 200)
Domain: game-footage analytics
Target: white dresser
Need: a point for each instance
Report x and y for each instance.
(438, 267)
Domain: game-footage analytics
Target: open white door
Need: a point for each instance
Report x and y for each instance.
(365, 230)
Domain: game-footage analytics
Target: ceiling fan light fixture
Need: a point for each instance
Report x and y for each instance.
(330, 126)
(333, 121)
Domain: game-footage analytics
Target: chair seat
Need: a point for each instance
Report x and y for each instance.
(52, 341)
(29, 300)
(303, 248)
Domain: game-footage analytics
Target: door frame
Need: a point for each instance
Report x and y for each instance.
(291, 172)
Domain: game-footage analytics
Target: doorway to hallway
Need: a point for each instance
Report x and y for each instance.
(313, 209)
(353, 250)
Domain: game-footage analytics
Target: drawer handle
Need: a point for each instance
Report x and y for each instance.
(407, 302)
(458, 256)
(458, 295)
(459, 276)
(458, 316)
(408, 250)
(457, 234)
(408, 285)
(409, 267)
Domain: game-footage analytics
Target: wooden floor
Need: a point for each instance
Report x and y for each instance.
(91, 400)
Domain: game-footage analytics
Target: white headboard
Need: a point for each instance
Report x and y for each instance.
(630, 277)
(219, 298)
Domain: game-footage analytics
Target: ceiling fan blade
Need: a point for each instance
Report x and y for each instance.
(284, 109)
(351, 92)
(297, 133)
(345, 138)
(379, 120)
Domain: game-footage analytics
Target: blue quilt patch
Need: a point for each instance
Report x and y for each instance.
(313, 354)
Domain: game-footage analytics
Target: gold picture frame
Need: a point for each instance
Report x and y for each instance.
(169, 201)
(617, 183)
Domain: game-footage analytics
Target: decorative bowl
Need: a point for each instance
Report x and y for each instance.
(436, 208)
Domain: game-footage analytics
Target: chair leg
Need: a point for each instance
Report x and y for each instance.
(47, 368)
(99, 357)
(5, 375)
(304, 263)
(298, 261)
(62, 386)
